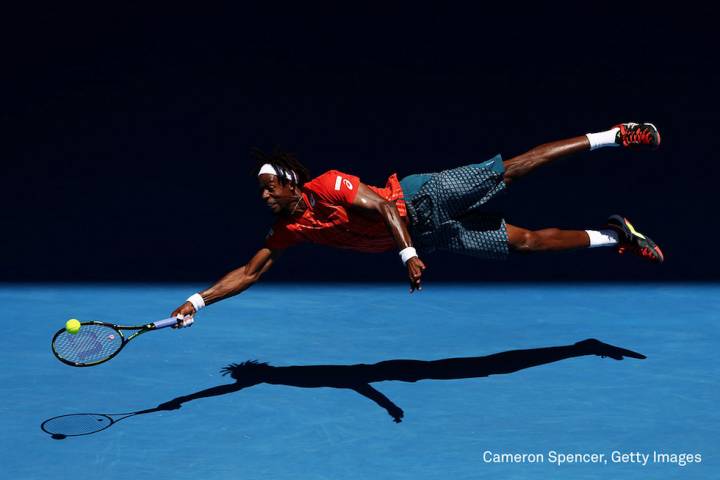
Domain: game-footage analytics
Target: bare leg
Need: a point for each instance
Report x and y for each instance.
(523, 164)
(548, 239)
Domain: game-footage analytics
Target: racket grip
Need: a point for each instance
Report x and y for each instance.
(168, 322)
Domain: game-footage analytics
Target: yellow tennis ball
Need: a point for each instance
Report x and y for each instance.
(72, 326)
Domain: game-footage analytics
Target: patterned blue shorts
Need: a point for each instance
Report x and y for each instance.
(452, 210)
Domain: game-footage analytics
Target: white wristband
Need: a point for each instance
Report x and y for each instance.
(197, 301)
(407, 253)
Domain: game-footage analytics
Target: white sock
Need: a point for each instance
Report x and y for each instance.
(602, 238)
(603, 139)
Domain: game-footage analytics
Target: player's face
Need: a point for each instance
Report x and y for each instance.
(278, 197)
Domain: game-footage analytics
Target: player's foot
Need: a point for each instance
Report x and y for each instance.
(632, 241)
(637, 136)
(596, 347)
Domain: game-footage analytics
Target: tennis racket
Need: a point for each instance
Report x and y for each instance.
(98, 342)
(78, 424)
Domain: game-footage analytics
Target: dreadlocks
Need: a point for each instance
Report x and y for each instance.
(283, 163)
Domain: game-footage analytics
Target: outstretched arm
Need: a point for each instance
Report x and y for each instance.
(235, 281)
(366, 199)
(367, 391)
(176, 403)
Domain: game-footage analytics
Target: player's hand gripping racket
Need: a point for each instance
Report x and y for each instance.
(98, 342)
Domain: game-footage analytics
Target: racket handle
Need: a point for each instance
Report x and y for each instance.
(168, 322)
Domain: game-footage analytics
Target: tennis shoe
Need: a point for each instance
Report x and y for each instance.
(637, 136)
(632, 241)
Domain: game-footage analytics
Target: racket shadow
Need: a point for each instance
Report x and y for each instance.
(354, 377)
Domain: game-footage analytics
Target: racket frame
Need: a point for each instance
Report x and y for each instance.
(168, 322)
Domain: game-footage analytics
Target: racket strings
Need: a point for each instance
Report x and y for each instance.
(91, 344)
(77, 424)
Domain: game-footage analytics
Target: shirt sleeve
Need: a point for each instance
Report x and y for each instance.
(335, 187)
(279, 238)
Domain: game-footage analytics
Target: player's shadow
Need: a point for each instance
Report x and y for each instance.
(353, 377)
(359, 377)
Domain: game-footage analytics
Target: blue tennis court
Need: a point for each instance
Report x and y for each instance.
(665, 405)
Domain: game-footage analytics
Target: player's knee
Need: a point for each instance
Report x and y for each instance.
(524, 241)
(533, 241)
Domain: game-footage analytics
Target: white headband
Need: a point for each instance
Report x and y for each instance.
(289, 174)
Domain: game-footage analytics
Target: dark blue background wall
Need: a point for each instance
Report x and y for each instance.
(126, 133)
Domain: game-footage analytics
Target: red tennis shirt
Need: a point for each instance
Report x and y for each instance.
(329, 221)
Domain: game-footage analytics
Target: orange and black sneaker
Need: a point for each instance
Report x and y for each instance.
(637, 136)
(632, 241)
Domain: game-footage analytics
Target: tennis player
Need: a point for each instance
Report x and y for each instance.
(451, 210)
